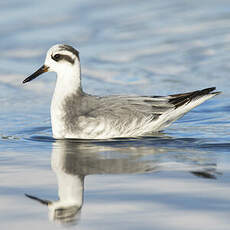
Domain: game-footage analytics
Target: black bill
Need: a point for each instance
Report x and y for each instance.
(40, 71)
(45, 202)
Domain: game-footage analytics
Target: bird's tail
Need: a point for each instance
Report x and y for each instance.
(185, 102)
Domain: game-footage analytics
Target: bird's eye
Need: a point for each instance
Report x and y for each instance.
(56, 57)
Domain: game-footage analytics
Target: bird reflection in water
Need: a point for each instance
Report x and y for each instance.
(72, 161)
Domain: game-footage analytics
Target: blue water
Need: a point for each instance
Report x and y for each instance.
(178, 179)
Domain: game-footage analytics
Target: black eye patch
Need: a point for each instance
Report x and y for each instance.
(58, 57)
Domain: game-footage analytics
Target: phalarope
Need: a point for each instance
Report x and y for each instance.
(76, 114)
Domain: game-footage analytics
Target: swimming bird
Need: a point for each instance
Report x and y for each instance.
(76, 114)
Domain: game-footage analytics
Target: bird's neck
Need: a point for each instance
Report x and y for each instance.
(68, 82)
(70, 185)
(70, 191)
(70, 188)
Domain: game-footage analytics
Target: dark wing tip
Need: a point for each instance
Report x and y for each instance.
(180, 99)
(205, 175)
(210, 89)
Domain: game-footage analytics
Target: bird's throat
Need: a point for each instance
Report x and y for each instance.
(66, 85)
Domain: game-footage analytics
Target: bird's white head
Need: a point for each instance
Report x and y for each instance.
(65, 61)
(61, 57)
